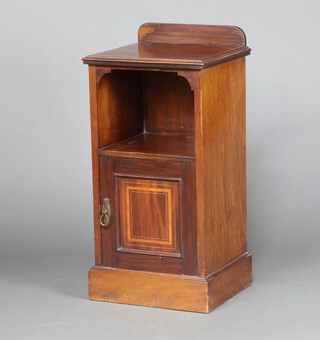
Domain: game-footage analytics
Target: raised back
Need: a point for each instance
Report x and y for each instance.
(191, 34)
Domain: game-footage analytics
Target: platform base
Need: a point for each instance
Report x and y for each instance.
(188, 293)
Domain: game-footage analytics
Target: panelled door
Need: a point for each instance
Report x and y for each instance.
(152, 207)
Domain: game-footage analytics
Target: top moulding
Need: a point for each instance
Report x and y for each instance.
(168, 46)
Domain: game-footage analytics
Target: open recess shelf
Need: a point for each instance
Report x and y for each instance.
(154, 146)
(145, 115)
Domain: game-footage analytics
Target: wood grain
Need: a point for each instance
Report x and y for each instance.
(180, 34)
(149, 216)
(199, 166)
(108, 235)
(166, 56)
(220, 154)
(178, 180)
(95, 164)
(177, 46)
(189, 220)
(153, 146)
(119, 92)
(168, 150)
(189, 293)
(148, 289)
(229, 280)
(168, 104)
(149, 263)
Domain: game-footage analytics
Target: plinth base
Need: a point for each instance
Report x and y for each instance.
(182, 292)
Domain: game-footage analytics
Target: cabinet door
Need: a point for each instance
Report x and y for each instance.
(153, 215)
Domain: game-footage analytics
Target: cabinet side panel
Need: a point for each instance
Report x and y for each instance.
(222, 147)
(95, 162)
(120, 110)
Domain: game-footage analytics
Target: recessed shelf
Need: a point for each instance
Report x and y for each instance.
(154, 146)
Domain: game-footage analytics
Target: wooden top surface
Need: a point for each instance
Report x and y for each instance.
(177, 46)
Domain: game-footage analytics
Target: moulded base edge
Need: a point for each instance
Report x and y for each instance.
(182, 292)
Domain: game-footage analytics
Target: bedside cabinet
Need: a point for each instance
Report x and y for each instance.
(169, 175)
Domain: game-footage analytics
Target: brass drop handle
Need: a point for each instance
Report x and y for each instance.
(105, 216)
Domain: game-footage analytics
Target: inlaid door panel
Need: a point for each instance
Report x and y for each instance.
(149, 216)
(153, 223)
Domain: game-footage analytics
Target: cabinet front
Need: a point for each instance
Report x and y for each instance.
(151, 215)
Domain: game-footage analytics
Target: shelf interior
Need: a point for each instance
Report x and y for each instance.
(145, 114)
(148, 145)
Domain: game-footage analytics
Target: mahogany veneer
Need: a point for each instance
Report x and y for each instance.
(168, 154)
(155, 146)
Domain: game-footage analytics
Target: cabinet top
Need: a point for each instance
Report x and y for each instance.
(177, 46)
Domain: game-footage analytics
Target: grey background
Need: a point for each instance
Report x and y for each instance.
(46, 234)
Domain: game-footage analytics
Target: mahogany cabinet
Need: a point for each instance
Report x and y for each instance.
(169, 182)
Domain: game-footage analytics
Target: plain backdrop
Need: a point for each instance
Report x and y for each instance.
(46, 231)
